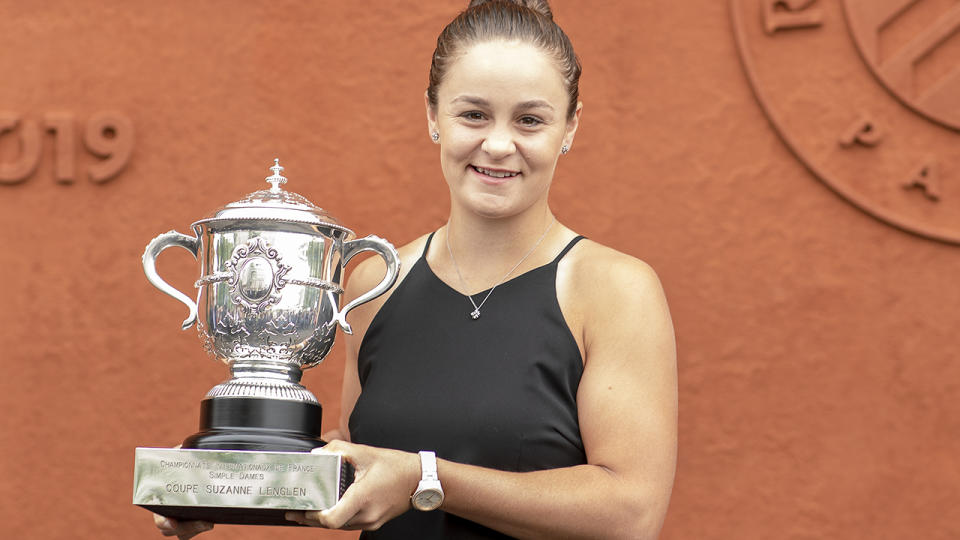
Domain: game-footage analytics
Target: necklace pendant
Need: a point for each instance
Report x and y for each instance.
(475, 314)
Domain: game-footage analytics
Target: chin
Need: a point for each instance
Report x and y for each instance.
(491, 207)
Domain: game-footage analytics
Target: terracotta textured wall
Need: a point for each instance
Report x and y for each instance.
(817, 344)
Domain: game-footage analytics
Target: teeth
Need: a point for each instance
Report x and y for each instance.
(495, 174)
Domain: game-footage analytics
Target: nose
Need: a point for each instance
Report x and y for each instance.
(499, 142)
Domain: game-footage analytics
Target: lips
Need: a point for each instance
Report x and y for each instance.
(495, 174)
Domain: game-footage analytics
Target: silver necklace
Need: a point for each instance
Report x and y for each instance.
(475, 314)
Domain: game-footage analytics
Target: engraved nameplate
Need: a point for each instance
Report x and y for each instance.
(234, 486)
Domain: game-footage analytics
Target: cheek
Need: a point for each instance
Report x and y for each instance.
(540, 155)
(460, 146)
(453, 159)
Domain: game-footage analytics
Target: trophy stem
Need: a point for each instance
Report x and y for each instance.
(263, 379)
(266, 369)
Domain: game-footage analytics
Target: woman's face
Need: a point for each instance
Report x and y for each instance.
(502, 118)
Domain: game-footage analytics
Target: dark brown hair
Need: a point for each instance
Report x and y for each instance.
(529, 21)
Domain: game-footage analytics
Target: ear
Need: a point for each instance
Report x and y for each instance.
(572, 125)
(431, 114)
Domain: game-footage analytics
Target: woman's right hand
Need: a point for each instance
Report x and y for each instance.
(181, 529)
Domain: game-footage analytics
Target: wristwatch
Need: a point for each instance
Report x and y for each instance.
(429, 494)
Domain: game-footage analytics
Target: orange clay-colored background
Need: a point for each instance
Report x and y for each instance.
(819, 372)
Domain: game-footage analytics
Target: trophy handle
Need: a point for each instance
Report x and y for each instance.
(384, 249)
(158, 244)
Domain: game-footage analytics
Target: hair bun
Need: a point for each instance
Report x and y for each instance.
(540, 7)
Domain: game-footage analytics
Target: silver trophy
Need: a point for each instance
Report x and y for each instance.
(267, 305)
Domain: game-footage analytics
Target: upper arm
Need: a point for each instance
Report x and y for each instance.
(627, 399)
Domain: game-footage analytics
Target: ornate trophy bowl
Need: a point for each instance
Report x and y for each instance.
(267, 305)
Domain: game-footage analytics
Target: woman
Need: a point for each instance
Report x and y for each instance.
(538, 366)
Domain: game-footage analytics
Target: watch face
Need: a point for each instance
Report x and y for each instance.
(428, 499)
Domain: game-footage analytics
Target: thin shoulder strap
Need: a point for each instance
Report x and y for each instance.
(427, 246)
(568, 248)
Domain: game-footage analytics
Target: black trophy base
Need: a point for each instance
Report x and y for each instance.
(270, 425)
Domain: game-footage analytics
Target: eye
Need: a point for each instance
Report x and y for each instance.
(474, 116)
(530, 121)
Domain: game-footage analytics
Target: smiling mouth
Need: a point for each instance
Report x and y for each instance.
(493, 173)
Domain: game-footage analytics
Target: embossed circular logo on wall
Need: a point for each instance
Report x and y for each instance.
(866, 93)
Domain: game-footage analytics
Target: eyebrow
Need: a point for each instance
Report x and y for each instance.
(480, 102)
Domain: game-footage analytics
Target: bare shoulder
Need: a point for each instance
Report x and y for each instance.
(616, 299)
(604, 273)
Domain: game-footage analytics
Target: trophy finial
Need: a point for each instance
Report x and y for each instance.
(276, 179)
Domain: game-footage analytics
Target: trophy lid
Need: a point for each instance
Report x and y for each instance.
(275, 204)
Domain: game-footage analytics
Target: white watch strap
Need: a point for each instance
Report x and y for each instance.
(428, 465)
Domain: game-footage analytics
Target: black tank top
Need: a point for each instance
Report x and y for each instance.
(498, 392)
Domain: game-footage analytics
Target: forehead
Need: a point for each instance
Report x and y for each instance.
(504, 71)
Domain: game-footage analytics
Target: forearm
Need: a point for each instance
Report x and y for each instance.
(586, 501)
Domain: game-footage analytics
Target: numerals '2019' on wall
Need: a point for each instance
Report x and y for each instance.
(106, 134)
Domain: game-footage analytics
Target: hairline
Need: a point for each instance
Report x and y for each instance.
(556, 60)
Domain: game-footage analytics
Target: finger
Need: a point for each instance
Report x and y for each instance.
(297, 517)
(356, 523)
(181, 529)
(189, 529)
(348, 452)
(293, 515)
(167, 526)
(164, 524)
(337, 516)
(337, 446)
(319, 519)
(351, 453)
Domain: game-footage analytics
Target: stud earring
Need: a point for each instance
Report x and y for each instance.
(435, 136)
(564, 149)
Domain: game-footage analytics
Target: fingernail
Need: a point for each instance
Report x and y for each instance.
(165, 524)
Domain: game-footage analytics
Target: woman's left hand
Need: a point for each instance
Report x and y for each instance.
(385, 480)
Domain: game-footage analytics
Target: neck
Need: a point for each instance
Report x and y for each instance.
(484, 248)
